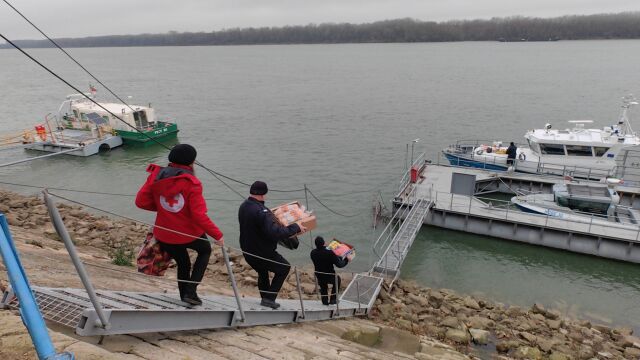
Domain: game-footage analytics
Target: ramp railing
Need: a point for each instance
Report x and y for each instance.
(29, 311)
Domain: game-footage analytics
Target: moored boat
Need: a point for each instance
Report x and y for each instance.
(577, 151)
(140, 126)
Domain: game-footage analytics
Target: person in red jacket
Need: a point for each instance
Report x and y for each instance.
(182, 223)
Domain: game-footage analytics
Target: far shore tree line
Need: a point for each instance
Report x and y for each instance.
(575, 27)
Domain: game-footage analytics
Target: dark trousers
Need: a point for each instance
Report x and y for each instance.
(324, 281)
(178, 252)
(510, 161)
(269, 289)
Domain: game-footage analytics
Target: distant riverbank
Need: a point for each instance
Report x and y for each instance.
(511, 29)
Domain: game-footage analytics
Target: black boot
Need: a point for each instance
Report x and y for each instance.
(191, 296)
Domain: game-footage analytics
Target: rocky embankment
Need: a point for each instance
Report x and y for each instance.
(408, 322)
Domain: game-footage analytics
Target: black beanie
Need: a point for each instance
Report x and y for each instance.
(183, 154)
(319, 241)
(258, 188)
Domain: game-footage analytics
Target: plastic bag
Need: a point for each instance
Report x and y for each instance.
(151, 259)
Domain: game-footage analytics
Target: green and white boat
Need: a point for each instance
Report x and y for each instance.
(141, 128)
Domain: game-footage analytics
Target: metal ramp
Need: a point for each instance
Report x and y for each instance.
(137, 312)
(92, 311)
(390, 262)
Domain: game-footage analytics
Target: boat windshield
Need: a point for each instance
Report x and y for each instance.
(552, 149)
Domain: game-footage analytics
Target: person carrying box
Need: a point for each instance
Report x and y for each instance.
(260, 233)
(323, 261)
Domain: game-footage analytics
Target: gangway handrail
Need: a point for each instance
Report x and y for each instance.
(29, 312)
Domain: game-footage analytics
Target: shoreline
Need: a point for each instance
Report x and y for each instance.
(469, 324)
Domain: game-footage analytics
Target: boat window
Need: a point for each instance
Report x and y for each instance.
(140, 118)
(552, 149)
(106, 119)
(75, 113)
(600, 150)
(83, 116)
(579, 150)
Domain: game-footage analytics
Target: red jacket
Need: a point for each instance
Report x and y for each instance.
(176, 195)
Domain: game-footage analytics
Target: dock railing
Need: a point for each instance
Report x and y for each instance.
(504, 209)
(383, 241)
(420, 163)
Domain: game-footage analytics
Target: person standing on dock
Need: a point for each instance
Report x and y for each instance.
(323, 261)
(512, 151)
(182, 223)
(260, 232)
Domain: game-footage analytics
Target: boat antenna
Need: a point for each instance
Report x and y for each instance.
(69, 56)
(627, 102)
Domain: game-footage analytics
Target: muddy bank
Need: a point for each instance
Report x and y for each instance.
(435, 321)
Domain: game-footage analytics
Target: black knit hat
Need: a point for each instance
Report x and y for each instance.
(183, 154)
(258, 188)
(319, 241)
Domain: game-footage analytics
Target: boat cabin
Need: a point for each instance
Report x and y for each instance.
(78, 112)
(588, 198)
(579, 142)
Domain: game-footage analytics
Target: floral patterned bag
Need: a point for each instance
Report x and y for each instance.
(151, 259)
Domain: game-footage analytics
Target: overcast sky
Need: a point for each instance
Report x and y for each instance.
(74, 18)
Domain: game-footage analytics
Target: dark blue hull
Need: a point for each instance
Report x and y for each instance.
(461, 161)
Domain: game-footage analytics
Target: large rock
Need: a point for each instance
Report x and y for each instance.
(538, 309)
(457, 336)
(527, 352)
(556, 355)
(471, 303)
(629, 341)
(436, 299)
(505, 346)
(479, 336)
(479, 322)
(450, 322)
(367, 335)
(419, 300)
(530, 338)
(632, 353)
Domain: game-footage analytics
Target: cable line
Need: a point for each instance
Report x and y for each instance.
(216, 174)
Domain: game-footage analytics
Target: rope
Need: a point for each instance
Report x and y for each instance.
(216, 174)
(330, 209)
(175, 231)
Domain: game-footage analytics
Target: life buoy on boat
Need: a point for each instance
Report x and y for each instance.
(479, 152)
(522, 157)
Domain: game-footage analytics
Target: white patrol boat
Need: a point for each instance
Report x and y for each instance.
(577, 151)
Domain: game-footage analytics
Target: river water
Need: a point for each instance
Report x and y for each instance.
(338, 118)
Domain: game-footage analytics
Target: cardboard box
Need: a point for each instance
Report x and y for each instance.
(342, 249)
(294, 212)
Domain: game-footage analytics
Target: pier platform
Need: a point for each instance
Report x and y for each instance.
(482, 216)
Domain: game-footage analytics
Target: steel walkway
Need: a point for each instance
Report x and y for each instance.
(137, 312)
(105, 312)
(389, 264)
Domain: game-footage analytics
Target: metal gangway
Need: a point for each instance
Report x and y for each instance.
(105, 312)
(394, 243)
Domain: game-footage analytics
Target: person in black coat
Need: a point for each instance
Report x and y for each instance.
(260, 232)
(323, 261)
(512, 150)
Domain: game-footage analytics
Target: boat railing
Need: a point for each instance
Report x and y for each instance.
(587, 213)
(506, 209)
(546, 168)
